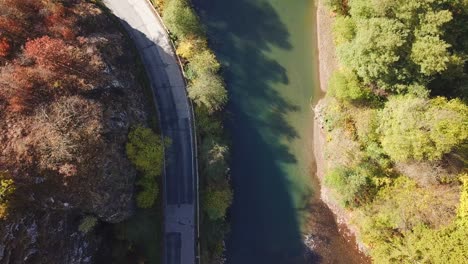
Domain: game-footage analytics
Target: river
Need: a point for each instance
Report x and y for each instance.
(268, 52)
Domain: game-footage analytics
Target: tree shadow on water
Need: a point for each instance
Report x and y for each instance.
(264, 224)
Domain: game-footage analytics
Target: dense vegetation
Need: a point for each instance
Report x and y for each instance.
(396, 121)
(145, 149)
(206, 89)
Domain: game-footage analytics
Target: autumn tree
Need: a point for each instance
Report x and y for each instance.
(4, 47)
(422, 129)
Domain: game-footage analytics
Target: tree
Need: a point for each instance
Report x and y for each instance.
(422, 129)
(191, 46)
(147, 196)
(4, 47)
(204, 61)
(344, 30)
(51, 53)
(216, 202)
(375, 50)
(214, 157)
(208, 90)
(345, 85)
(181, 19)
(431, 54)
(7, 188)
(145, 149)
(353, 186)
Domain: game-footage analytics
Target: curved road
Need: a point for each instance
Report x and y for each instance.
(147, 31)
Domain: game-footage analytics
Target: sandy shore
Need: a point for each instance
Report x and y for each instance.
(327, 55)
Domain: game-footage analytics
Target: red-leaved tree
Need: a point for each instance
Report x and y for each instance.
(50, 53)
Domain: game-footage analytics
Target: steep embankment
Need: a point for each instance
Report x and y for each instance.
(67, 101)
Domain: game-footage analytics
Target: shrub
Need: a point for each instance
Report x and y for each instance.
(87, 224)
(214, 159)
(353, 186)
(147, 196)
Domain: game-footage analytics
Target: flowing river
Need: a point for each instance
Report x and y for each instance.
(268, 51)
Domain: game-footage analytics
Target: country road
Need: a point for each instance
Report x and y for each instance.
(166, 80)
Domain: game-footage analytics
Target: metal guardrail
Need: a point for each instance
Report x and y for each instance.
(193, 135)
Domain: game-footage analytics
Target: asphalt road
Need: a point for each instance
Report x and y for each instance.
(166, 80)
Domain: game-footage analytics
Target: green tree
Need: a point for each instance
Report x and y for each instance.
(204, 61)
(7, 188)
(216, 202)
(345, 85)
(208, 90)
(431, 54)
(419, 129)
(344, 29)
(375, 50)
(180, 18)
(353, 186)
(145, 149)
(147, 196)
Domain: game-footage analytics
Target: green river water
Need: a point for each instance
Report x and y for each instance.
(268, 52)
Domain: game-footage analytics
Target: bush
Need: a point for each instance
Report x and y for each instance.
(147, 196)
(353, 187)
(214, 159)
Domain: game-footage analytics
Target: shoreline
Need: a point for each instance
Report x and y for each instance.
(327, 62)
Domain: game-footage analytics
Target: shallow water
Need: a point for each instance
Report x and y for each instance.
(268, 52)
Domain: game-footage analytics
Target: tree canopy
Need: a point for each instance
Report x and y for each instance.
(418, 128)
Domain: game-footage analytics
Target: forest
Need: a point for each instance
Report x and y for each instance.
(396, 122)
